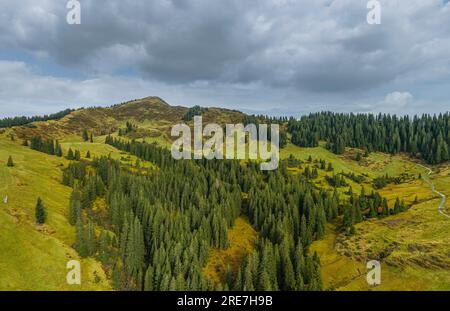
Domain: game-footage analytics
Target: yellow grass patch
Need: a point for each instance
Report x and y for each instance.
(241, 240)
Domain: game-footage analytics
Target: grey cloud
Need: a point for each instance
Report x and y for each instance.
(318, 50)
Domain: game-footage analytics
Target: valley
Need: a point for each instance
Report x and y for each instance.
(413, 245)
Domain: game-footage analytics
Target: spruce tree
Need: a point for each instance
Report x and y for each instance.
(10, 162)
(58, 150)
(77, 156)
(104, 254)
(85, 135)
(40, 212)
(91, 239)
(75, 207)
(80, 239)
(149, 279)
(70, 155)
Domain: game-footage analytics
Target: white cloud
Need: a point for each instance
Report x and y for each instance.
(397, 100)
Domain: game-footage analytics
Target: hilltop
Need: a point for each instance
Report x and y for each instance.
(153, 115)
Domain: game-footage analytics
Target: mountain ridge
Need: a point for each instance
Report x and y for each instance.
(106, 120)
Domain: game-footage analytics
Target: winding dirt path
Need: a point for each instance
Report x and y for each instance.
(433, 188)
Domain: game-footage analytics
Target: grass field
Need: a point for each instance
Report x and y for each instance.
(98, 148)
(35, 257)
(413, 248)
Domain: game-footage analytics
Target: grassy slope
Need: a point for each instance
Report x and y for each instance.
(416, 241)
(418, 247)
(34, 257)
(98, 148)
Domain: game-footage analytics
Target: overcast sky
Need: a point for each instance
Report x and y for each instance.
(263, 56)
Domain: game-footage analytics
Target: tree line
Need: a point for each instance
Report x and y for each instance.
(426, 137)
(16, 121)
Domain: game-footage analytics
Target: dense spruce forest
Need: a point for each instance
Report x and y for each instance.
(16, 121)
(260, 119)
(426, 137)
(153, 226)
(159, 224)
(165, 221)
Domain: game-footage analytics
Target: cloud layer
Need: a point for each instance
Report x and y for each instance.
(307, 55)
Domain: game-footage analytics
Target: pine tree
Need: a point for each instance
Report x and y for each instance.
(10, 162)
(357, 216)
(320, 223)
(103, 248)
(397, 206)
(75, 207)
(372, 212)
(134, 248)
(385, 207)
(58, 150)
(70, 155)
(80, 239)
(288, 273)
(117, 276)
(85, 135)
(91, 239)
(40, 212)
(347, 219)
(330, 167)
(77, 155)
(248, 278)
(238, 286)
(149, 279)
(264, 283)
(304, 232)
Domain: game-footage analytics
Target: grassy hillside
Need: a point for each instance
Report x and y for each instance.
(412, 246)
(35, 257)
(153, 116)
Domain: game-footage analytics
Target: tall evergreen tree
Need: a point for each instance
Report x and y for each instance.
(10, 162)
(70, 154)
(85, 135)
(40, 212)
